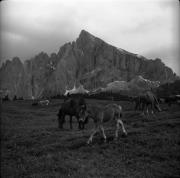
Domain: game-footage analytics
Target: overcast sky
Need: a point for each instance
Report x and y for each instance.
(146, 27)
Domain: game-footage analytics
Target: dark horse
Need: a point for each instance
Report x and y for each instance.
(71, 107)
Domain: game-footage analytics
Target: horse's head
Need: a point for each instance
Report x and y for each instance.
(83, 116)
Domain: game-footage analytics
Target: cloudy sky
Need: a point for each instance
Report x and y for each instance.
(146, 27)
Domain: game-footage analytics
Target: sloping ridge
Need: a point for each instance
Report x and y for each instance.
(88, 60)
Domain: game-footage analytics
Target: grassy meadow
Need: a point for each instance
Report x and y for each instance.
(32, 146)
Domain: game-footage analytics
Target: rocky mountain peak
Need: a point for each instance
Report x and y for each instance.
(16, 60)
(88, 60)
(41, 56)
(86, 40)
(86, 35)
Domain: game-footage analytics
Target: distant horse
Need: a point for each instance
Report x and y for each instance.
(41, 102)
(149, 102)
(44, 102)
(71, 107)
(100, 115)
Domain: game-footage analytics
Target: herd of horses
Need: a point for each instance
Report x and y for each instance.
(77, 107)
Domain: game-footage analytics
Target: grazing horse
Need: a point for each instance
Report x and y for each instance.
(100, 115)
(149, 99)
(71, 107)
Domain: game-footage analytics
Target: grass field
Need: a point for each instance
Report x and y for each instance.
(33, 146)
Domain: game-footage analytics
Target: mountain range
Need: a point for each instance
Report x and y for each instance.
(88, 61)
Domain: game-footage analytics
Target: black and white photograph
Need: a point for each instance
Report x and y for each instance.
(90, 88)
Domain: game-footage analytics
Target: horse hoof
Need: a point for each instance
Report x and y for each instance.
(89, 142)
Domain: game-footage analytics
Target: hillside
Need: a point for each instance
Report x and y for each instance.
(88, 60)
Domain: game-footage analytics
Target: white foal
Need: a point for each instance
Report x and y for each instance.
(100, 115)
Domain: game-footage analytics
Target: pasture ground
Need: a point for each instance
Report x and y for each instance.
(32, 146)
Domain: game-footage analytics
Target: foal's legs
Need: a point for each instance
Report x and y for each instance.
(102, 129)
(119, 122)
(93, 133)
(122, 125)
(117, 129)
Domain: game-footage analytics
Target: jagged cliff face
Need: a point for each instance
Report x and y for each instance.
(88, 60)
(12, 77)
(118, 64)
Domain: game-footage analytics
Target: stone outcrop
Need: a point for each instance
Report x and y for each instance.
(12, 77)
(88, 60)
